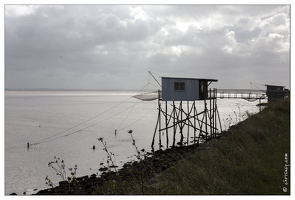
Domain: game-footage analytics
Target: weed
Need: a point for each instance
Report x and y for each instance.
(110, 157)
(140, 156)
(59, 167)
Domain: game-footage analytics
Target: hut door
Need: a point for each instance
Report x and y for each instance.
(201, 89)
(203, 93)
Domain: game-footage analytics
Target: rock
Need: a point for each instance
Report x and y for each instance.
(103, 169)
(82, 178)
(13, 193)
(164, 167)
(159, 151)
(86, 187)
(63, 182)
(83, 182)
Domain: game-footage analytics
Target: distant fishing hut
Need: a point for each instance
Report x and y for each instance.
(183, 93)
(275, 92)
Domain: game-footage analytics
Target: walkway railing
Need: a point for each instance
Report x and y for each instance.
(240, 94)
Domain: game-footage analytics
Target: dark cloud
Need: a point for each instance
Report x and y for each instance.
(114, 46)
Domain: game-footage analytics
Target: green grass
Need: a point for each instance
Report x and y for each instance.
(248, 159)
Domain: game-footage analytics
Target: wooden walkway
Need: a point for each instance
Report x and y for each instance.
(240, 94)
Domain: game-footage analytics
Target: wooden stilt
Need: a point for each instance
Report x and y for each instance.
(187, 116)
(213, 115)
(201, 123)
(210, 112)
(166, 124)
(206, 127)
(194, 121)
(181, 126)
(153, 141)
(215, 111)
(159, 117)
(174, 125)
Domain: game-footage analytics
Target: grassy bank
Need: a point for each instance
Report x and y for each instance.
(248, 159)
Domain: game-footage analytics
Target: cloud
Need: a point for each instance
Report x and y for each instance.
(20, 10)
(114, 46)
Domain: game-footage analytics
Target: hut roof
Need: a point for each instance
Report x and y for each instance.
(202, 79)
(275, 86)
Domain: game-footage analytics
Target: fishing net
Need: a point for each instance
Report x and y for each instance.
(147, 96)
(263, 96)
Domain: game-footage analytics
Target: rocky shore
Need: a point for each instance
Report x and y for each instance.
(144, 170)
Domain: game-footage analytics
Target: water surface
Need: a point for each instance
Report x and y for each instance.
(66, 124)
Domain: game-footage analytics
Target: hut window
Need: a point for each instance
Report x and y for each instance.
(179, 86)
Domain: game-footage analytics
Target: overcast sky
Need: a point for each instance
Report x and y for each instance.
(114, 46)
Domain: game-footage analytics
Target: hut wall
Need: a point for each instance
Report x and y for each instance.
(180, 89)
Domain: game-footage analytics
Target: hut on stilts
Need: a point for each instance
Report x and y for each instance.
(186, 119)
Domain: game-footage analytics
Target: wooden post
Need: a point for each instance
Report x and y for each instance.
(174, 125)
(159, 112)
(210, 112)
(213, 117)
(201, 126)
(159, 117)
(155, 134)
(167, 140)
(188, 113)
(206, 128)
(215, 111)
(195, 121)
(181, 127)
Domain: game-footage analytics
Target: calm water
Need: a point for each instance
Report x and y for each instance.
(66, 124)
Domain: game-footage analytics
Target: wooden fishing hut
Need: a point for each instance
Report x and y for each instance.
(275, 92)
(183, 93)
